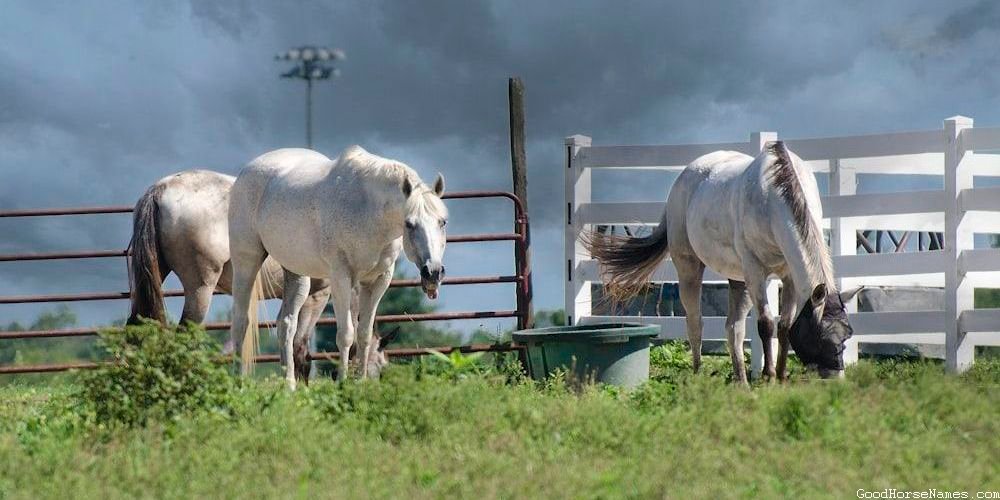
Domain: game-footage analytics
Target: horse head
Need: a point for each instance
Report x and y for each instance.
(821, 329)
(377, 358)
(424, 235)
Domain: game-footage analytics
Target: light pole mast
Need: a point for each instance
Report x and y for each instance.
(311, 63)
(309, 113)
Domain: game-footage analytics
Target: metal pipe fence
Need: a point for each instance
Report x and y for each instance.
(521, 279)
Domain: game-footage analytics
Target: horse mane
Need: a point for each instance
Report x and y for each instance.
(782, 175)
(395, 172)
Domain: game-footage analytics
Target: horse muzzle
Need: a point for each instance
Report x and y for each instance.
(430, 279)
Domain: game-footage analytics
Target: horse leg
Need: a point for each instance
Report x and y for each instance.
(739, 306)
(296, 292)
(306, 329)
(690, 271)
(246, 264)
(786, 315)
(341, 295)
(198, 295)
(196, 303)
(756, 282)
(368, 299)
(198, 273)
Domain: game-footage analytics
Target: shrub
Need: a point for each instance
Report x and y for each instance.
(157, 374)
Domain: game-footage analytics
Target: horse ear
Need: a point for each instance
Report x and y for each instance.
(407, 187)
(818, 296)
(439, 185)
(847, 295)
(388, 338)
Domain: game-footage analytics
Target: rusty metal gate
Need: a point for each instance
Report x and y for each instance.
(521, 280)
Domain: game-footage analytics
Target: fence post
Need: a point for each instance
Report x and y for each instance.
(578, 300)
(958, 236)
(519, 168)
(844, 239)
(757, 142)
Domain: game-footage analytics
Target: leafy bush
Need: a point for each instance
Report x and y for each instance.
(157, 374)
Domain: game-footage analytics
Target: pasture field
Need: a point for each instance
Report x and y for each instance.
(430, 430)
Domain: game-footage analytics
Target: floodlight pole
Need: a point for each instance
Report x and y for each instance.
(311, 63)
(309, 113)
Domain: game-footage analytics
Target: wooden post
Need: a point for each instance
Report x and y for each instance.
(578, 299)
(519, 167)
(958, 236)
(844, 240)
(757, 142)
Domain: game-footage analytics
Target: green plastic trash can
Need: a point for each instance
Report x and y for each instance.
(616, 354)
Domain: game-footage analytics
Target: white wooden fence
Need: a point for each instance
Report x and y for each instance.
(958, 211)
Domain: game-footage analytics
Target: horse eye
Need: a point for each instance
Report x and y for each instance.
(444, 223)
(410, 224)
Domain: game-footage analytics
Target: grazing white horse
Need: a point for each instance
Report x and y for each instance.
(181, 225)
(746, 218)
(344, 220)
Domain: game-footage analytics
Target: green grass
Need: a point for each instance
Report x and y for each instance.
(425, 432)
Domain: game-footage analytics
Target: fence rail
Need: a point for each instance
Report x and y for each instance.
(521, 279)
(274, 358)
(957, 212)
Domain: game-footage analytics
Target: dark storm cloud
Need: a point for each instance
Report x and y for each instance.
(97, 101)
(943, 28)
(969, 21)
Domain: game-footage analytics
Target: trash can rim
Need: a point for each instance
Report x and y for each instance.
(585, 332)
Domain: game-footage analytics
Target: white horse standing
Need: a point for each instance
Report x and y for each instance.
(345, 220)
(181, 225)
(746, 218)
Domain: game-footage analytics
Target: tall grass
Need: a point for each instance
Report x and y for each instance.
(422, 432)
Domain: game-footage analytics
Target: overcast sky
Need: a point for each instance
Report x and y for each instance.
(100, 99)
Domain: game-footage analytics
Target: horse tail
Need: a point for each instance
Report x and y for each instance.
(627, 262)
(146, 265)
(251, 337)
